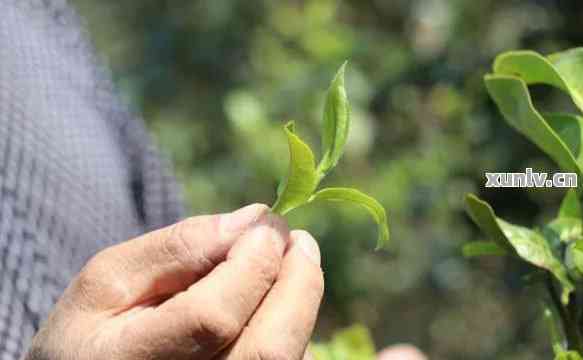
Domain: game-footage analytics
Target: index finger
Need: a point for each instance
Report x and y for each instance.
(283, 324)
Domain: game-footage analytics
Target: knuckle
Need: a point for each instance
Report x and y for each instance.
(216, 327)
(92, 278)
(97, 284)
(177, 244)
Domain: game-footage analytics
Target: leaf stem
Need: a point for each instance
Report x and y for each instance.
(569, 317)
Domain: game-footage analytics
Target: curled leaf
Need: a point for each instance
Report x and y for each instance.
(336, 124)
(300, 181)
(357, 197)
(561, 70)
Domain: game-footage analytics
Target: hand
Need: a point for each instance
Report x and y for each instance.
(231, 286)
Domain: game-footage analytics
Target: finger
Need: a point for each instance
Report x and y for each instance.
(401, 352)
(159, 263)
(200, 322)
(283, 324)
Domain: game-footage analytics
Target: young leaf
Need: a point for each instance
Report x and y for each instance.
(560, 70)
(336, 124)
(352, 195)
(300, 181)
(513, 100)
(483, 248)
(527, 244)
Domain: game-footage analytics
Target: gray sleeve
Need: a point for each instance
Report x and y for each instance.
(78, 171)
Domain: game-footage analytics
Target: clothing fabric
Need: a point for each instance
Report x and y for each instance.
(78, 171)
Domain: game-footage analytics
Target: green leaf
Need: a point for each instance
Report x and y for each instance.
(353, 343)
(513, 100)
(563, 230)
(355, 196)
(483, 215)
(569, 64)
(554, 325)
(527, 244)
(300, 181)
(568, 355)
(574, 259)
(321, 351)
(569, 128)
(570, 206)
(483, 248)
(561, 70)
(532, 67)
(336, 124)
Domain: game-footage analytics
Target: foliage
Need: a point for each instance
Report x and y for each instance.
(300, 184)
(216, 79)
(557, 247)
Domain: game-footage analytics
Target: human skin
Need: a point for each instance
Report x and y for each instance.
(229, 286)
(401, 352)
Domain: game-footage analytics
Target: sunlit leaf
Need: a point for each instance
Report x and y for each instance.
(568, 355)
(483, 248)
(336, 124)
(527, 244)
(300, 181)
(513, 100)
(357, 197)
(531, 66)
(569, 64)
(561, 70)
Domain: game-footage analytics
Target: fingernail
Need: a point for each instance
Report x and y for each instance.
(308, 245)
(241, 219)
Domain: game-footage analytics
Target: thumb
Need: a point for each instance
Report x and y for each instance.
(158, 264)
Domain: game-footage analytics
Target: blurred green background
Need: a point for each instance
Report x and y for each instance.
(216, 79)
